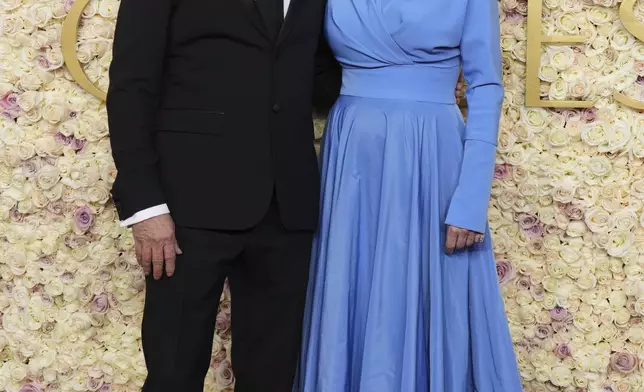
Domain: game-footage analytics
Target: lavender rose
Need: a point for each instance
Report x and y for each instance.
(16, 216)
(501, 171)
(624, 363)
(68, 5)
(67, 277)
(62, 139)
(77, 144)
(225, 377)
(100, 304)
(10, 114)
(523, 283)
(558, 313)
(105, 388)
(56, 207)
(42, 62)
(30, 168)
(514, 17)
(9, 101)
(83, 218)
(543, 331)
(30, 387)
(535, 231)
(223, 322)
(571, 115)
(527, 221)
(47, 299)
(563, 325)
(589, 115)
(574, 211)
(537, 291)
(218, 358)
(562, 351)
(46, 261)
(505, 271)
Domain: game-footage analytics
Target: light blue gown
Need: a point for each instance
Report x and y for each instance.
(387, 309)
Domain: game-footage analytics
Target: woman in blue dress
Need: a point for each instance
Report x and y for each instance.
(403, 294)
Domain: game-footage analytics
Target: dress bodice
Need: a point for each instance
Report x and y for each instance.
(414, 50)
(376, 33)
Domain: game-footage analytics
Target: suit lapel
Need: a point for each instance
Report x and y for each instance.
(254, 13)
(288, 21)
(259, 14)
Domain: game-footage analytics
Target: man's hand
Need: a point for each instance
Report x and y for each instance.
(458, 93)
(458, 238)
(156, 245)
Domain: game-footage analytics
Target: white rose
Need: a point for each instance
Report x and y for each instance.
(31, 81)
(534, 118)
(11, 24)
(40, 14)
(622, 40)
(54, 112)
(547, 73)
(108, 9)
(55, 58)
(598, 220)
(625, 220)
(595, 133)
(18, 372)
(579, 89)
(619, 243)
(561, 58)
(558, 90)
(558, 137)
(10, 5)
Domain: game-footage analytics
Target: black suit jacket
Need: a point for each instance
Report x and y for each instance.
(210, 109)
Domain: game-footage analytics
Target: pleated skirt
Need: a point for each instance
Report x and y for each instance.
(387, 309)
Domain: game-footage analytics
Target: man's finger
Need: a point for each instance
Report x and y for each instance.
(139, 255)
(450, 241)
(146, 258)
(177, 249)
(471, 238)
(170, 257)
(157, 261)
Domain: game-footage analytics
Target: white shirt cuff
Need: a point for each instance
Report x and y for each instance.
(146, 214)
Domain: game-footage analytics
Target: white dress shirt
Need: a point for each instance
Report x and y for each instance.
(163, 208)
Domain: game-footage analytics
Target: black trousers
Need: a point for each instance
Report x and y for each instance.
(267, 268)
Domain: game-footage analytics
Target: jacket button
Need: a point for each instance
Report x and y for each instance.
(276, 108)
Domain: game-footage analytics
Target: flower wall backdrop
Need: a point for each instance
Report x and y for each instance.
(566, 215)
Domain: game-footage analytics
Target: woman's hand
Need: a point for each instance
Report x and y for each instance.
(458, 238)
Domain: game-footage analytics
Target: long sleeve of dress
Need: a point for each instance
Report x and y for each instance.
(132, 101)
(481, 58)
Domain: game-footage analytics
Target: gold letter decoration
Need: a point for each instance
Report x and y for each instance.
(533, 59)
(535, 39)
(68, 43)
(633, 26)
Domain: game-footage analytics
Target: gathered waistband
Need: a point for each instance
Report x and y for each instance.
(406, 82)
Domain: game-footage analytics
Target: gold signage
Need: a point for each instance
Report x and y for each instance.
(535, 40)
(533, 59)
(68, 42)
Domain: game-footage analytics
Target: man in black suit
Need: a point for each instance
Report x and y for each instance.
(210, 117)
